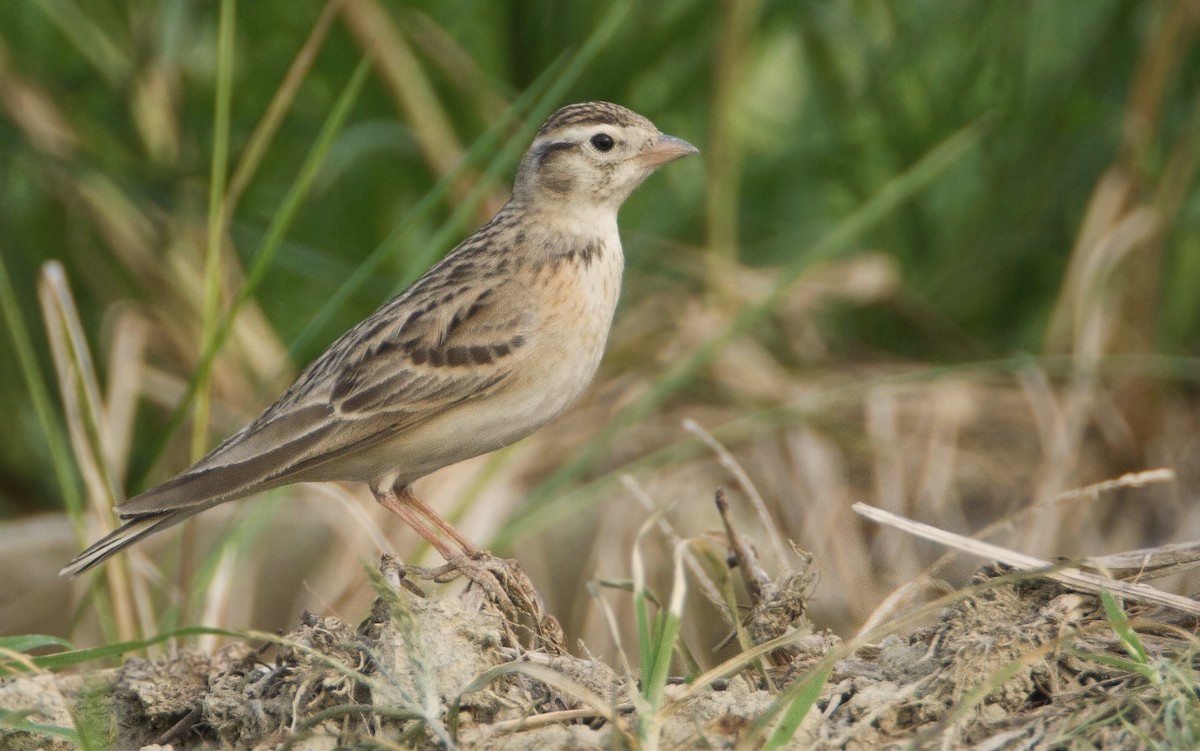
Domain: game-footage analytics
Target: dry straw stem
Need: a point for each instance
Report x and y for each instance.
(1079, 580)
(281, 104)
(707, 586)
(1116, 264)
(564, 717)
(93, 437)
(753, 575)
(743, 479)
(34, 113)
(724, 163)
(445, 51)
(408, 82)
(1150, 563)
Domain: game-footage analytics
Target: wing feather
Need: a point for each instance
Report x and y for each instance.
(442, 343)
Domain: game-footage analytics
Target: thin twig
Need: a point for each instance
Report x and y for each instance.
(1073, 578)
(551, 718)
(753, 575)
(747, 485)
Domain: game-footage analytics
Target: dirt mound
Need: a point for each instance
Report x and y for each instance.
(1014, 661)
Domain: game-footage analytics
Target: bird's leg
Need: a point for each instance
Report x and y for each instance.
(392, 501)
(412, 511)
(405, 495)
(502, 581)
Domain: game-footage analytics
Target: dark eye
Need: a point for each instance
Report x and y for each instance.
(602, 142)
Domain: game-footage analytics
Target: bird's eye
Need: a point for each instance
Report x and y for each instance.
(602, 142)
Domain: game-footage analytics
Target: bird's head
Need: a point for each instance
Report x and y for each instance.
(593, 154)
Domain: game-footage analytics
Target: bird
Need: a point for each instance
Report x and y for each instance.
(490, 344)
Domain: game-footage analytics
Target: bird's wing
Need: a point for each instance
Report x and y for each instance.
(444, 342)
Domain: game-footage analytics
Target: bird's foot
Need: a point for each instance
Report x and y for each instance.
(505, 584)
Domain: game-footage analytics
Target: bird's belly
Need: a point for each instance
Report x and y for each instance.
(482, 425)
(556, 367)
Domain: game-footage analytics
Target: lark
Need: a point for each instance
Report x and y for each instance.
(488, 346)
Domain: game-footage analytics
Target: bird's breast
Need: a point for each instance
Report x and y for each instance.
(574, 296)
(579, 295)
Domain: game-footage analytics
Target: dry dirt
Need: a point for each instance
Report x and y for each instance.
(1011, 662)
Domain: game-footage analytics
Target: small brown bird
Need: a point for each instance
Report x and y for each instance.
(488, 346)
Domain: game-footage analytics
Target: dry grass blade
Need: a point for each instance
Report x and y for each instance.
(281, 102)
(596, 705)
(444, 50)
(1079, 580)
(743, 479)
(1129, 480)
(707, 586)
(90, 435)
(904, 597)
(34, 113)
(401, 71)
(126, 371)
(610, 620)
(1149, 563)
(551, 718)
(86, 419)
(726, 138)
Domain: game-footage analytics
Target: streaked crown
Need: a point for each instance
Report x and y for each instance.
(594, 113)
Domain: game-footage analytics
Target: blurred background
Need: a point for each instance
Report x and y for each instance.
(941, 257)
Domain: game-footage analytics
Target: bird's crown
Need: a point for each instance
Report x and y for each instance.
(593, 113)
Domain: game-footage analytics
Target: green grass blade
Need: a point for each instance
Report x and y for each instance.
(804, 694)
(73, 657)
(16, 721)
(89, 40)
(641, 600)
(791, 707)
(667, 633)
(216, 221)
(26, 642)
(285, 96)
(1123, 629)
(1119, 663)
(52, 430)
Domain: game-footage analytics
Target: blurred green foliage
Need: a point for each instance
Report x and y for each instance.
(829, 101)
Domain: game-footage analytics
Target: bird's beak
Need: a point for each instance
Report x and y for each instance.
(665, 149)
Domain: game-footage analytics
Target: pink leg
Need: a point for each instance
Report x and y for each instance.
(402, 502)
(392, 502)
(409, 498)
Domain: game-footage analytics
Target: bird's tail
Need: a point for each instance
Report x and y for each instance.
(124, 536)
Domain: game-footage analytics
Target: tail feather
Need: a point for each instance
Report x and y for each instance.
(121, 538)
